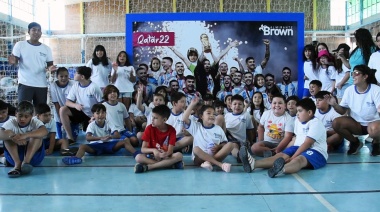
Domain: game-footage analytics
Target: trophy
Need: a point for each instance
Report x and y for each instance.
(205, 43)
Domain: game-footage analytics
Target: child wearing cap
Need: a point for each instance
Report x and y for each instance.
(326, 72)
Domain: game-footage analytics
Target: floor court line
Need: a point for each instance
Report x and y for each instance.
(319, 197)
(200, 194)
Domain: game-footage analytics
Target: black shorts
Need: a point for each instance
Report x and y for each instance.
(79, 117)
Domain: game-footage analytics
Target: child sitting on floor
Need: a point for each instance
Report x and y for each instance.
(309, 150)
(210, 142)
(22, 138)
(102, 137)
(158, 143)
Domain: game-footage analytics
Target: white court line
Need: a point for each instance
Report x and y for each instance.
(319, 197)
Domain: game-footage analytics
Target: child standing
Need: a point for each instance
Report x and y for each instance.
(326, 72)
(43, 114)
(82, 96)
(374, 60)
(101, 67)
(239, 125)
(58, 92)
(158, 143)
(22, 138)
(103, 138)
(309, 150)
(275, 130)
(210, 142)
(117, 114)
(309, 67)
(343, 70)
(123, 76)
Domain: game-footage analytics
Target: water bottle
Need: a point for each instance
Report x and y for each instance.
(209, 148)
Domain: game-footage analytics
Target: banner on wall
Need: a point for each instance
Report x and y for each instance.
(160, 35)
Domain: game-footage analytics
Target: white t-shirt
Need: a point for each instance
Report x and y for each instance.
(99, 131)
(169, 104)
(309, 73)
(237, 124)
(327, 76)
(176, 121)
(123, 83)
(276, 126)
(374, 63)
(315, 130)
(12, 125)
(32, 63)
(50, 127)
(100, 73)
(148, 115)
(327, 118)
(58, 95)
(205, 138)
(1, 125)
(135, 111)
(116, 114)
(86, 96)
(363, 107)
(339, 76)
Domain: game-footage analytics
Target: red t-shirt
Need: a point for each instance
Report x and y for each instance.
(159, 140)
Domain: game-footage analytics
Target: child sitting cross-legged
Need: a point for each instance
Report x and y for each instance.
(210, 142)
(103, 139)
(159, 139)
(309, 150)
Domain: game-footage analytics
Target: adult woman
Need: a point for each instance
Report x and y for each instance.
(363, 100)
(364, 48)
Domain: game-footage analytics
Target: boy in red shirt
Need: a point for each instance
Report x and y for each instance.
(158, 142)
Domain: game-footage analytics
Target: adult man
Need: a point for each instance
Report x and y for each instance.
(287, 87)
(149, 88)
(189, 89)
(250, 61)
(34, 59)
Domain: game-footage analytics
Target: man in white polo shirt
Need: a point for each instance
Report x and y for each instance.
(34, 59)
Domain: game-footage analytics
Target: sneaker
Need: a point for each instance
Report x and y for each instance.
(247, 159)
(71, 160)
(140, 168)
(207, 165)
(354, 148)
(277, 168)
(226, 167)
(179, 165)
(375, 149)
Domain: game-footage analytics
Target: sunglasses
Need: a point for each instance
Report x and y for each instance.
(356, 73)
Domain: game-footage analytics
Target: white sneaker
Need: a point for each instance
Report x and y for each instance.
(2, 160)
(247, 159)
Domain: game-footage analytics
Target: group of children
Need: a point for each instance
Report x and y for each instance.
(157, 124)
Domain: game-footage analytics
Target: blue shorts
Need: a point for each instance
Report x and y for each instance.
(179, 138)
(74, 130)
(306, 93)
(103, 148)
(315, 158)
(46, 142)
(126, 134)
(36, 159)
